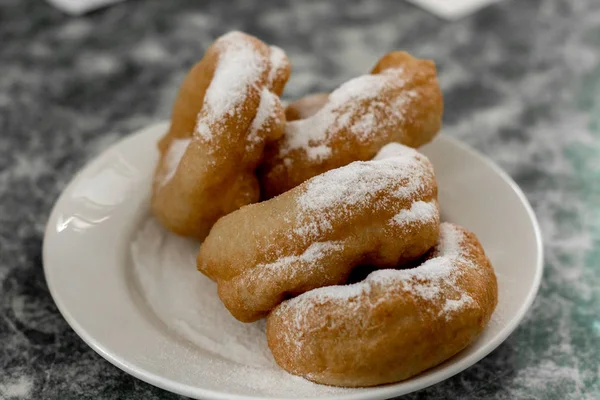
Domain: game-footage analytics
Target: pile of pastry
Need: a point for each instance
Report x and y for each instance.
(321, 216)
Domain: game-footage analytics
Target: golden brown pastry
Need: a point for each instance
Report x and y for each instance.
(394, 324)
(305, 107)
(227, 109)
(400, 101)
(380, 212)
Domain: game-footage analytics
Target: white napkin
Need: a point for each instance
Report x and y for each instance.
(452, 9)
(78, 7)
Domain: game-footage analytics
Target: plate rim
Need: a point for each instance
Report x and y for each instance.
(377, 392)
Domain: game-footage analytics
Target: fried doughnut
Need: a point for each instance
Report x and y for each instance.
(227, 109)
(394, 324)
(381, 212)
(400, 101)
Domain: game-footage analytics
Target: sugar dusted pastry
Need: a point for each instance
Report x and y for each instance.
(400, 101)
(392, 325)
(227, 109)
(381, 212)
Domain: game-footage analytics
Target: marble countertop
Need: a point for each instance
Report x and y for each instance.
(521, 83)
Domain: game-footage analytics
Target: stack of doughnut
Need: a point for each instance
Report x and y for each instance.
(322, 216)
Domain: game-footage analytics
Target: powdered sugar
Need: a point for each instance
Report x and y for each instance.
(450, 242)
(313, 228)
(363, 129)
(172, 159)
(265, 111)
(313, 254)
(419, 211)
(359, 183)
(357, 105)
(318, 152)
(203, 129)
(239, 66)
(426, 282)
(278, 62)
(396, 150)
(186, 301)
(451, 306)
(187, 304)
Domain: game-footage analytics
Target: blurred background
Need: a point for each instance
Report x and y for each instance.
(521, 83)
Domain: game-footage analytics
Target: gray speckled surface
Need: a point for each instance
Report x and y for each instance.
(521, 83)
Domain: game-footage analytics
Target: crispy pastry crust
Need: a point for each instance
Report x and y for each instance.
(381, 212)
(394, 324)
(400, 101)
(226, 110)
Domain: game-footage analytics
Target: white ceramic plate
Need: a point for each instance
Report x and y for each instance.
(88, 268)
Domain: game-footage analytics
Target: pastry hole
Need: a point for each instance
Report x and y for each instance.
(359, 273)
